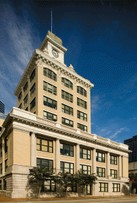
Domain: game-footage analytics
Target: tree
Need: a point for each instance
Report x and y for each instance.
(37, 177)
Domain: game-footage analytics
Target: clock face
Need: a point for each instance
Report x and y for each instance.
(55, 53)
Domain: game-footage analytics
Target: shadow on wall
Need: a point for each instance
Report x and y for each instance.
(125, 189)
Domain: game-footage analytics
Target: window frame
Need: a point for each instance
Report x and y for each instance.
(85, 171)
(81, 91)
(86, 154)
(32, 103)
(52, 104)
(67, 83)
(115, 187)
(113, 159)
(114, 173)
(81, 115)
(67, 109)
(67, 122)
(69, 168)
(32, 75)
(49, 88)
(101, 172)
(50, 74)
(67, 96)
(66, 149)
(49, 116)
(32, 89)
(103, 187)
(100, 156)
(49, 162)
(82, 127)
(41, 144)
(81, 103)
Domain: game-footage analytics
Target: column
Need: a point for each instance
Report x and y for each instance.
(57, 156)
(32, 150)
(3, 156)
(108, 165)
(77, 160)
(119, 167)
(94, 161)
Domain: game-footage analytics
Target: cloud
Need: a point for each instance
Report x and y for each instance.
(118, 132)
(17, 45)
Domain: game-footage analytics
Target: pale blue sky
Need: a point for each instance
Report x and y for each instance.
(101, 38)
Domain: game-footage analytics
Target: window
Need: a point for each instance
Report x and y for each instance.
(103, 187)
(113, 173)
(68, 122)
(82, 103)
(45, 163)
(66, 149)
(116, 187)
(50, 74)
(49, 88)
(0, 150)
(6, 145)
(67, 83)
(32, 104)
(82, 127)
(100, 157)
(82, 116)
(49, 186)
(113, 159)
(0, 168)
(0, 184)
(20, 106)
(100, 172)
(25, 86)
(20, 96)
(81, 91)
(66, 167)
(32, 75)
(26, 99)
(32, 89)
(67, 109)
(44, 145)
(4, 184)
(50, 116)
(67, 96)
(85, 169)
(50, 102)
(6, 164)
(85, 153)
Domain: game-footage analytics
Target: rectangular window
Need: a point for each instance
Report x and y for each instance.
(50, 102)
(103, 187)
(44, 145)
(33, 104)
(6, 164)
(26, 99)
(32, 89)
(67, 122)
(82, 116)
(116, 187)
(67, 83)
(66, 149)
(100, 157)
(66, 167)
(20, 106)
(45, 163)
(50, 116)
(0, 168)
(6, 145)
(100, 172)
(113, 159)
(32, 75)
(85, 153)
(113, 173)
(82, 127)
(85, 169)
(81, 103)
(81, 91)
(20, 96)
(25, 86)
(49, 88)
(0, 184)
(67, 96)
(49, 186)
(67, 109)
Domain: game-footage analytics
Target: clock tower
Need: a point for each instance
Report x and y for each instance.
(53, 46)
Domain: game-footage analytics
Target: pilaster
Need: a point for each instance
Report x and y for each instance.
(33, 150)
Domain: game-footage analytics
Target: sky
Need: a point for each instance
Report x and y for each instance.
(101, 38)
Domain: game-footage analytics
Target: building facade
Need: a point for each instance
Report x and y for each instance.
(51, 127)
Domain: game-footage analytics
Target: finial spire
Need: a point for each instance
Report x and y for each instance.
(51, 20)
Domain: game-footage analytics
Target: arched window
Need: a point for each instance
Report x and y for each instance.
(67, 83)
(81, 91)
(50, 74)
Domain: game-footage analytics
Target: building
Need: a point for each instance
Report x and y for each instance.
(132, 143)
(51, 127)
(2, 107)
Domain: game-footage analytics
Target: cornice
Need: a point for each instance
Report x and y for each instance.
(32, 120)
(63, 68)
